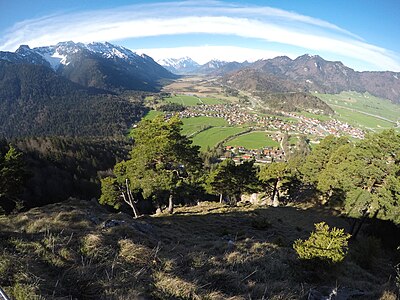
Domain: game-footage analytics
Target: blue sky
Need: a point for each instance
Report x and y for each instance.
(361, 33)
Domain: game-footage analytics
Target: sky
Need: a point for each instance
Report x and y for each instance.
(363, 34)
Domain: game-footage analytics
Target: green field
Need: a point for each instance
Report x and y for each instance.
(193, 125)
(152, 114)
(184, 100)
(253, 140)
(363, 110)
(193, 100)
(211, 137)
(361, 120)
(211, 101)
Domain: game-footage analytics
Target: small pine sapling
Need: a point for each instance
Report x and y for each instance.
(325, 244)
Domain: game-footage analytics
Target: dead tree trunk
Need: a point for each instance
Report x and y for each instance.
(171, 204)
(221, 198)
(275, 194)
(128, 199)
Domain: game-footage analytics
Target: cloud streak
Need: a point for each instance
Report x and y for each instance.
(259, 23)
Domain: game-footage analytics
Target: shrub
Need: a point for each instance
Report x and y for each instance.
(323, 244)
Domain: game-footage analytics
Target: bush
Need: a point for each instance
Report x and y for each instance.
(323, 244)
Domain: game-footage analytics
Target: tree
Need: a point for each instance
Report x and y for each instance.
(230, 180)
(317, 160)
(162, 160)
(368, 173)
(274, 174)
(325, 244)
(13, 174)
(281, 177)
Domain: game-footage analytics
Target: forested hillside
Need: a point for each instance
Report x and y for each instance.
(59, 168)
(34, 101)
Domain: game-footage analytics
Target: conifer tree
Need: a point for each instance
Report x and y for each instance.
(162, 159)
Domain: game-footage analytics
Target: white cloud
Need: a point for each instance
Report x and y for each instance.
(261, 23)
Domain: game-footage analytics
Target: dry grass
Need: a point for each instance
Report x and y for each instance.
(208, 251)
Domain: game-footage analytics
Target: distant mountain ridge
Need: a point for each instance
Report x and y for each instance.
(306, 73)
(100, 65)
(311, 73)
(187, 66)
(181, 66)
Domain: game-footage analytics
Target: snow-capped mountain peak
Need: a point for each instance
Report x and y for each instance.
(62, 53)
(215, 64)
(181, 65)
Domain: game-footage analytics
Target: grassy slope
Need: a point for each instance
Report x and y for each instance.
(315, 116)
(253, 140)
(352, 107)
(209, 251)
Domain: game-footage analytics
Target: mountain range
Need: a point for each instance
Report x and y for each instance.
(74, 89)
(306, 73)
(311, 73)
(99, 65)
(187, 66)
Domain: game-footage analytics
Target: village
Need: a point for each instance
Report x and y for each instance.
(235, 114)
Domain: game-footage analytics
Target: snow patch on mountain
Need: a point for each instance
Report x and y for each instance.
(55, 59)
(61, 53)
(109, 50)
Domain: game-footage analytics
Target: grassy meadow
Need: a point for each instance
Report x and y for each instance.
(194, 125)
(211, 137)
(187, 100)
(152, 114)
(253, 140)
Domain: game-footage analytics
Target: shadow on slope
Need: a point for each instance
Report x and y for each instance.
(78, 249)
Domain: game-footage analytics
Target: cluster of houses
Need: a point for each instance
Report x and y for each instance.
(307, 125)
(262, 156)
(234, 114)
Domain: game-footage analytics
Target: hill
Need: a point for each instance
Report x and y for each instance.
(35, 101)
(275, 92)
(78, 249)
(313, 73)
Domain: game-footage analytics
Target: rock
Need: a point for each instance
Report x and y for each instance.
(231, 245)
(113, 223)
(329, 293)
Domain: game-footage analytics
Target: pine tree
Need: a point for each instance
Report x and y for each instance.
(162, 160)
(325, 244)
